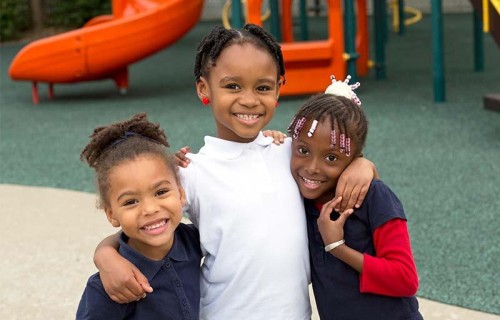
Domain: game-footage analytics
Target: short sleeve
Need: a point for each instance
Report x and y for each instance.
(95, 303)
(383, 205)
(188, 177)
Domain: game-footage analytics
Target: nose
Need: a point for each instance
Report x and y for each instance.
(311, 166)
(150, 206)
(249, 99)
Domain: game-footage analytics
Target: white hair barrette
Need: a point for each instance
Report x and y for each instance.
(344, 89)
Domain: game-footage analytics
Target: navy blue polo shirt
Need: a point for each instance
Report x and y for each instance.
(335, 283)
(175, 280)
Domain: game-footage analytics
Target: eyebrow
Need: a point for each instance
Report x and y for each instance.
(229, 79)
(156, 185)
(301, 141)
(127, 193)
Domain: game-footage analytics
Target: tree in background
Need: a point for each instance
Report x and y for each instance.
(37, 16)
(14, 19)
(19, 17)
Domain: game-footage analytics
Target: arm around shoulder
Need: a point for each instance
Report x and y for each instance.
(122, 281)
(354, 182)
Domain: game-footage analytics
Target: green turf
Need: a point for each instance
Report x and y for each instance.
(443, 160)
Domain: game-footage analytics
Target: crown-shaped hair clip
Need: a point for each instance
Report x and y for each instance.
(344, 89)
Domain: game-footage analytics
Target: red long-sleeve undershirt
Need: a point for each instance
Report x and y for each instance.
(392, 272)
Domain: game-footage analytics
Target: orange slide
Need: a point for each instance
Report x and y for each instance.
(106, 45)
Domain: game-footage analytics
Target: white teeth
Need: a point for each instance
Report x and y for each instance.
(316, 182)
(247, 116)
(156, 225)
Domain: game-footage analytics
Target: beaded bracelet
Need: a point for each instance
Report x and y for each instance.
(334, 245)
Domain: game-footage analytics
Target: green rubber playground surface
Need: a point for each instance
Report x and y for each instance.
(443, 160)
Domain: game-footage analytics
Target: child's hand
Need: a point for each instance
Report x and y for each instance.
(180, 157)
(332, 231)
(354, 182)
(123, 282)
(278, 136)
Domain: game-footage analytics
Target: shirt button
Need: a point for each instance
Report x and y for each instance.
(167, 264)
(177, 283)
(184, 302)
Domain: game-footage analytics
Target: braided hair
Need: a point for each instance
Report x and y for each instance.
(345, 116)
(220, 38)
(126, 140)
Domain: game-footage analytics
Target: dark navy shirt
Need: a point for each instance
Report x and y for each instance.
(175, 280)
(335, 283)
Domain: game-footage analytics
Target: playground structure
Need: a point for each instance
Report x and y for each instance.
(309, 64)
(487, 12)
(107, 44)
(486, 19)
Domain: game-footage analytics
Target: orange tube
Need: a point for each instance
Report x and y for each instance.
(108, 44)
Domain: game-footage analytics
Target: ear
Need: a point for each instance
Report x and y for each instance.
(182, 196)
(278, 88)
(202, 88)
(109, 214)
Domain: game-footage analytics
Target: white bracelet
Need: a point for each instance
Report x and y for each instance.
(334, 245)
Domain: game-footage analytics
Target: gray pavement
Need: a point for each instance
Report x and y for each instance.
(48, 237)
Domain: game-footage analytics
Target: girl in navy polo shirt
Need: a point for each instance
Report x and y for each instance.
(361, 260)
(141, 193)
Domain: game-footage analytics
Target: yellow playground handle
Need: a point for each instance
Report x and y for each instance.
(486, 13)
(227, 7)
(417, 15)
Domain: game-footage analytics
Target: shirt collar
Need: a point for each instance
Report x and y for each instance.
(312, 208)
(147, 266)
(230, 149)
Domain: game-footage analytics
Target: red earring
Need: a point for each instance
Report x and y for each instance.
(277, 104)
(205, 101)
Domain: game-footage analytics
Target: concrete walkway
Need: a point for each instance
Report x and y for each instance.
(48, 237)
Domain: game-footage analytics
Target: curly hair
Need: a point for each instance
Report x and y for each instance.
(118, 142)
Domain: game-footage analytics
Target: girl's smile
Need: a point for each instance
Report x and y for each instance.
(155, 227)
(146, 201)
(315, 165)
(311, 184)
(250, 118)
(243, 89)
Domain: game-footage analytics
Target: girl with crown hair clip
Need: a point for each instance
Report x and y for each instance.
(240, 192)
(141, 193)
(362, 265)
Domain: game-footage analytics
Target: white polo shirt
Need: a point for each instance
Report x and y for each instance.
(253, 233)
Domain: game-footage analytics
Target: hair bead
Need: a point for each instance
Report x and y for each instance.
(342, 142)
(333, 139)
(313, 128)
(298, 127)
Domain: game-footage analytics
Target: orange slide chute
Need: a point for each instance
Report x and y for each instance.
(107, 44)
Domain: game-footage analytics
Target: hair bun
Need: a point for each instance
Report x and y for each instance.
(344, 89)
